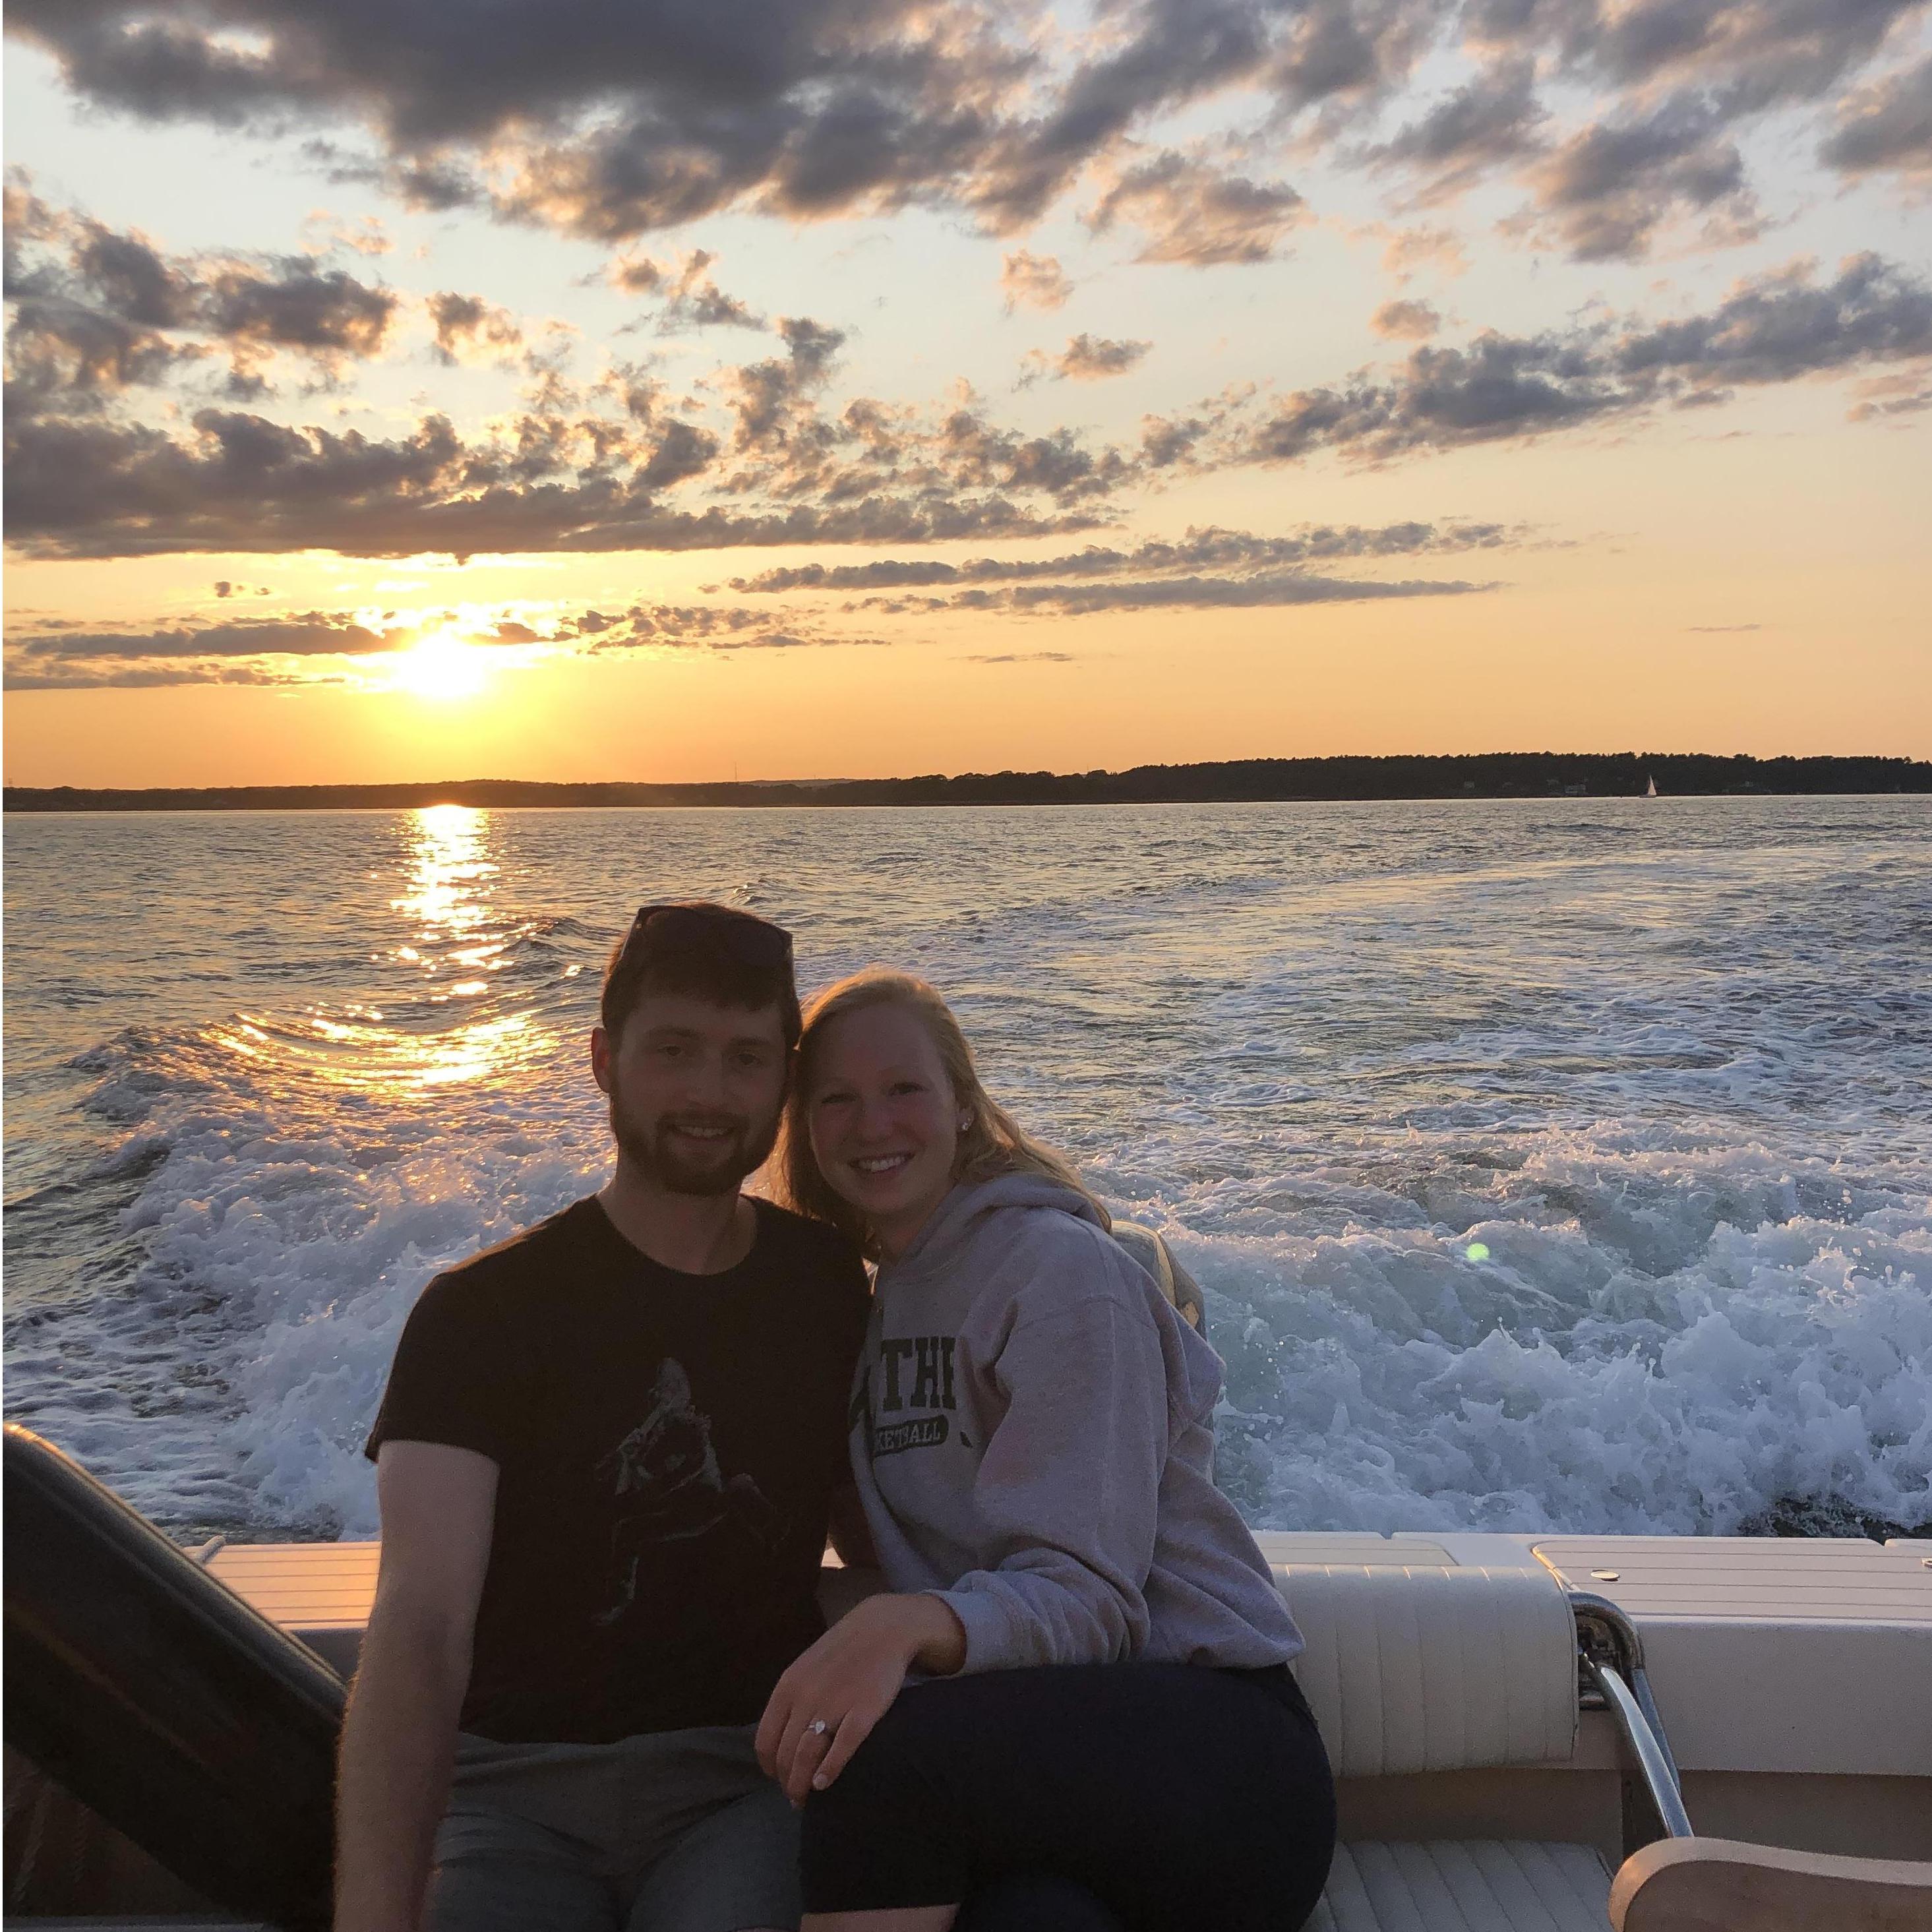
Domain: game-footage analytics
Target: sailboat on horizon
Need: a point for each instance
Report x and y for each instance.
(1651, 789)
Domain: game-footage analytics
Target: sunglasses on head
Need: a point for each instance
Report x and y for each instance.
(745, 938)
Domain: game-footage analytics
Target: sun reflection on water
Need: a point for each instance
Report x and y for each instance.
(449, 885)
(447, 960)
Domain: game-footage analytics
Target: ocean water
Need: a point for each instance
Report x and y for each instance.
(1558, 1165)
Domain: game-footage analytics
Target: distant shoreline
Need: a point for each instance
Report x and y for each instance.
(1486, 774)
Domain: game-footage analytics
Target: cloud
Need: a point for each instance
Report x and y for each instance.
(238, 482)
(1191, 213)
(1019, 657)
(97, 311)
(1266, 589)
(1410, 249)
(1887, 126)
(323, 233)
(1607, 190)
(1086, 358)
(468, 329)
(1406, 321)
(1712, 630)
(1495, 118)
(1777, 328)
(692, 298)
(583, 465)
(609, 122)
(1906, 394)
(1033, 281)
(1752, 55)
(338, 646)
(253, 650)
(1198, 550)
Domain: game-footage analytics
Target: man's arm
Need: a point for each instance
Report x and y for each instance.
(399, 1738)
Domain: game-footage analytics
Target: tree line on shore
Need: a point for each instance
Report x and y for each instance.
(1482, 775)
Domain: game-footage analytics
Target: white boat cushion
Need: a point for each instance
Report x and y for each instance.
(1435, 1669)
(1476, 1885)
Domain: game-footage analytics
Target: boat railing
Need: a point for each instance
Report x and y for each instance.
(1610, 1676)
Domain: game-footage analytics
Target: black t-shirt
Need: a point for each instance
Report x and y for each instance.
(667, 1444)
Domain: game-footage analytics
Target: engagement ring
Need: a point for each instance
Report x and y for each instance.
(816, 1728)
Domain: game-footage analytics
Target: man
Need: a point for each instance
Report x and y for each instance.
(604, 1459)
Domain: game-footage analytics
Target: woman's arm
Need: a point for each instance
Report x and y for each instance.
(823, 1708)
(1066, 1500)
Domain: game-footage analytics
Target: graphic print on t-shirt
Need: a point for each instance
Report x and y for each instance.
(671, 1488)
(666, 1446)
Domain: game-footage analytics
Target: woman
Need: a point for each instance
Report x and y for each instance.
(1099, 1697)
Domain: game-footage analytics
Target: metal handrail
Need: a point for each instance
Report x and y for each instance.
(1611, 1676)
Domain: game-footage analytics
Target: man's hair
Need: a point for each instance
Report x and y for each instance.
(697, 958)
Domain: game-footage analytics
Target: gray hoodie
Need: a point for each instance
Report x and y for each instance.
(1033, 1438)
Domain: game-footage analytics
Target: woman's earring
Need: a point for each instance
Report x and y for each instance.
(965, 1121)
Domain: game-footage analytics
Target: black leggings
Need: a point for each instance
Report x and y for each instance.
(1177, 1796)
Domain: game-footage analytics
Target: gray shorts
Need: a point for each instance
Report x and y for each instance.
(675, 1831)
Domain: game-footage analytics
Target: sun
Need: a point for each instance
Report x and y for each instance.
(440, 666)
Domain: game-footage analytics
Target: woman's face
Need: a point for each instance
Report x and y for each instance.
(884, 1124)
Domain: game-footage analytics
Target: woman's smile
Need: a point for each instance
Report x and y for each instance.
(884, 1120)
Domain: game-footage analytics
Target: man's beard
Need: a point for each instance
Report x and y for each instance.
(680, 1166)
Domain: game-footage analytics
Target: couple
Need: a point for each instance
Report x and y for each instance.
(597, 1690)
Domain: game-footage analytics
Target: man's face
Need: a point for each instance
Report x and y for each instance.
(696, 1091)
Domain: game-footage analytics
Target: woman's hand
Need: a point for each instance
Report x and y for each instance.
(824, 1707)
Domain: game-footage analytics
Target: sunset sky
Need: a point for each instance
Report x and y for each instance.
(410, 389)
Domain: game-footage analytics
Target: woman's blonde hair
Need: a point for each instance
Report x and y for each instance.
(991, 1143)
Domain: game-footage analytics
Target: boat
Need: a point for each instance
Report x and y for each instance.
(1566, 1733)
(1650, 790)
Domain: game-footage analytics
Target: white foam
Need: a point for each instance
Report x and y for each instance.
(1685, 1128)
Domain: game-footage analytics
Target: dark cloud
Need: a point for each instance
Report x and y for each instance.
(692, 297)
(120, 676)
(243, 652)
(326, 314)
(1494, 117)
(578, 466)
(1774, 329)
(1198, 550)
(1190, 212)
(313, 634)
(1750, 54)
(1275, 588)
(1887, 126)
(97, 312)
(611, 122)
(1607, 190)
(240, 483)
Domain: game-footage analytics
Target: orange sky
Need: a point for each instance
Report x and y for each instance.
(1638, 462)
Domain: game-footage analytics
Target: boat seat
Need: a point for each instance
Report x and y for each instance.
(1454, 1885)
(1421, 1668)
